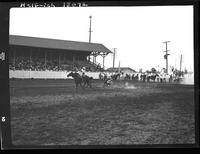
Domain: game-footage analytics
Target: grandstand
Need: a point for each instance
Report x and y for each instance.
(125, 70)
(42, 54)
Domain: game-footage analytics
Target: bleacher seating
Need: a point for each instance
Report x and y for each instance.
(38, 64)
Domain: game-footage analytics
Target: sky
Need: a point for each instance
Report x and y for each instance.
(137, 32)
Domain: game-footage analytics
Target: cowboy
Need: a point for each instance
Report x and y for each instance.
(108, 82)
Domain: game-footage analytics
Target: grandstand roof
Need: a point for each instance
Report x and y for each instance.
(57, 44)
(121, 69)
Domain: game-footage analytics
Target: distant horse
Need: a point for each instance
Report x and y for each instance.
(105, 77)
(135, 77)
(171, 78)
(143, 77)
(164, 77)
(127, 77)
(152, 77)
(77, 78)
(115, 76)
(87, 81)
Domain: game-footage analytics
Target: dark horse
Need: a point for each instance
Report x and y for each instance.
(77, 78)
(152, 77)
(87, 81)
(115, 76)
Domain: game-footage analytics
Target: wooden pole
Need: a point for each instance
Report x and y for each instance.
(180, 62)
(90, 29)
(166, 56)
(114, 57)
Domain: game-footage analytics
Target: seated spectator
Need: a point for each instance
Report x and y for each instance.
(38, 64)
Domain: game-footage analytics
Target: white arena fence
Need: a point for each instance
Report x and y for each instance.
(20, 74)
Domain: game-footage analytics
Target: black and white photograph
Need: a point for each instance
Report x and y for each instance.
(102, 75)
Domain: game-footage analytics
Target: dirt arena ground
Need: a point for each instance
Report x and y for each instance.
(51, 112)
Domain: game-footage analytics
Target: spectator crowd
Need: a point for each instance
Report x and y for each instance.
(39, 64)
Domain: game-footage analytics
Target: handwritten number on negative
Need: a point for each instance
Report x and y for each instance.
(3, 119)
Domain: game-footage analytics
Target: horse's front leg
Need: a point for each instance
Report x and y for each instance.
(81, 85)
(76, 87)
(90, 84)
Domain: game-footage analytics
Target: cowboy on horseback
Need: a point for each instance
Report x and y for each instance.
(77, 79)
(108, 82)
(87, 81)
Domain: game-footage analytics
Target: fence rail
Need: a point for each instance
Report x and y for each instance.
(45, 74)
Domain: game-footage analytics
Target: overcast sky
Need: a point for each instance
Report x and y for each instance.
(138, 33)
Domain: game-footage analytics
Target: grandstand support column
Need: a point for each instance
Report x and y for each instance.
(30, 59)
(14, 54)
(74, 59)
(88, 58)
(94, 57)
(45, 61)
(103, 59)
(64, 58)
(95, 60)
(59, 60)
(50, 54)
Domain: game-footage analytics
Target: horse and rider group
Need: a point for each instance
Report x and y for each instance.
(81, 80)
(143, 77)
(84, 81)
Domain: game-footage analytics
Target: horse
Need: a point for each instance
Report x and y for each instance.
(171, 78)
(135, 77)
(77, 78)
(127, 77)
(115, 76)
(152, 77)
(87, 81)
(164, 77)
(143, 77)
(105, 76)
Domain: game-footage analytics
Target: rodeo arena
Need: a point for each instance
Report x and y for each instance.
(39, 58)
(60, 95)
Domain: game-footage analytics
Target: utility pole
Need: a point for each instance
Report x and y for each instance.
(175, 64)
(119, 67)
(166, 56)
(114, 55)
(180, 62)
(90, 29)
